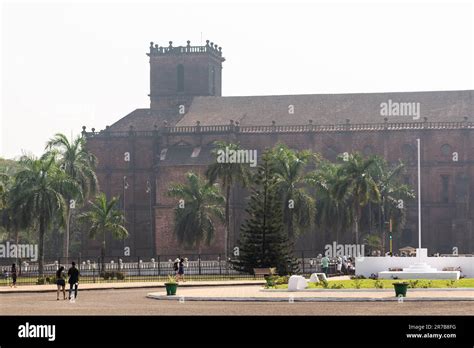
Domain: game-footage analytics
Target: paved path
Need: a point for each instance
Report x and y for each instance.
(255, 293)
(134, 302)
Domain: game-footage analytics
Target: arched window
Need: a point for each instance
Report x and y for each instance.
(180, 77)
(446, 150)
(368, 150)
(408, 152)
(212, 80)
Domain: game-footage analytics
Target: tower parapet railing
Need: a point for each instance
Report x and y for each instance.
(209, 48)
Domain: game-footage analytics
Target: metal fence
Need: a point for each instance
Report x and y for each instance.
(137, 269)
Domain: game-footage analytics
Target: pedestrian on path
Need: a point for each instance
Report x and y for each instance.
(181, 270)
(13, 276)
(325, 265)
(176, 268)
(61, 282)
(73, 274)
(339, 265)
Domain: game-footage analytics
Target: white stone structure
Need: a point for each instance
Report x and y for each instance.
(419, 267)
(297, 282)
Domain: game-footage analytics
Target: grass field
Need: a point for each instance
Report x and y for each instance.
(387, 284)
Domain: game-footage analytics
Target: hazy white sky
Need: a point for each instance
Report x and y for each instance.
(68, 64)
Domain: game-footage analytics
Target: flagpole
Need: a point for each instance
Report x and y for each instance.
(419, 194)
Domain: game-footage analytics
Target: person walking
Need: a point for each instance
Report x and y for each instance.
(339, 265)
(13, 284)
(61, 282)
(73, 274)
(176, 269)
(325, 265)
(181, 270)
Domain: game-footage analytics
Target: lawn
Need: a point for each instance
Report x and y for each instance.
(387, 284)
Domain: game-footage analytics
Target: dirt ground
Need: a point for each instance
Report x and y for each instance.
(134, 302)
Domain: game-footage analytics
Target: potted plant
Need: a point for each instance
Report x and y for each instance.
(400, 289)
(270, 280)
(171, 285)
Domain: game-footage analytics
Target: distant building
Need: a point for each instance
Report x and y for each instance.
(143, 152)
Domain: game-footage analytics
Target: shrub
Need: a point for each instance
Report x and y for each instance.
(324, 283)
(378, 284)
(357, 283)
(413, 283)
(120, 275)
(106, 275)
(41, 281)
(282, 280)
(451, 284)
(358, 277)
(337, 286)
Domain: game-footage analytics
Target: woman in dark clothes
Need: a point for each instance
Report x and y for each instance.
(13, 276)
(61, 282)
(181, 270)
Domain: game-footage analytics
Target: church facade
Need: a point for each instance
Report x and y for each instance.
(143, 152)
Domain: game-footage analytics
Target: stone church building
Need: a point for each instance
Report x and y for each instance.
(146, 150)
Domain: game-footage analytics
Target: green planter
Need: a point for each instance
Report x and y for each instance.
(270, 280)
(400, 289)
(171, 288)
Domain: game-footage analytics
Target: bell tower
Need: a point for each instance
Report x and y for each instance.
(177, 74)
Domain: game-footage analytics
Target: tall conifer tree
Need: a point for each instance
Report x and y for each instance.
(263, 241)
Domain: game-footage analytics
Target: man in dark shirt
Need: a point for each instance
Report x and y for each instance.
(73, 274)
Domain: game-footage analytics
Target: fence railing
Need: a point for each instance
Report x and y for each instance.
(235, 128)
(156, 269)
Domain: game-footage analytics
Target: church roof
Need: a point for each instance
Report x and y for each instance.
(322, 109)
(325, 108)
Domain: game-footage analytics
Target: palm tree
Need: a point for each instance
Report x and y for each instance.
(79, 164)
(356, 186)
(4, 178)
(392, 191)
(229, 174)
(38, 195)
(200, 205)
(104, 217)
(373, 242)
(330, 213)
(298, 206)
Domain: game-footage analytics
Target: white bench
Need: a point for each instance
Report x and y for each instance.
(315, 277)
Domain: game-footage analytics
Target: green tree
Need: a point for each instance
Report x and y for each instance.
(373, 242)
(4, 178)
(77, 162)
(229, 174)
(199, 208)
(263, 241)
(104, 217)
(356, 186)
(330, 213)
(394, 195)
(297, 204)
(38, 195)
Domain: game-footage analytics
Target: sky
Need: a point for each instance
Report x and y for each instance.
(68, 64)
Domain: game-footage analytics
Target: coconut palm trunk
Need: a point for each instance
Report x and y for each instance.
(227, 222)
(67, 233)
(42, 229)
(102, 255)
